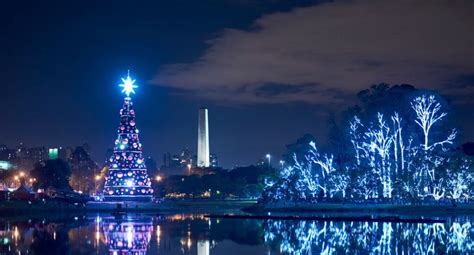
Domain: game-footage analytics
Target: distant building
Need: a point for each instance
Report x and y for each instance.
(65, 153)
(7, 154)
(214, 162)
(178, 163)
(185, 157)
(5, 165)
(53, 153)
(21, 151)
(166, 160)
(25, 158)
(203, 139)
(37, 154)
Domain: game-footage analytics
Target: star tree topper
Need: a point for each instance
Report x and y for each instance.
(128, 85)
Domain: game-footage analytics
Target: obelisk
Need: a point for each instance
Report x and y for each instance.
(203, 139)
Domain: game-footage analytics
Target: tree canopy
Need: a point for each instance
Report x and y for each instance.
(52, 174)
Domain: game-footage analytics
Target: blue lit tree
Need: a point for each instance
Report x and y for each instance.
(428, 159)
(127, 178)
(378, 143)
(294, 183)
(303, 179)
(428, 112)
(405, 157)
(459, 178)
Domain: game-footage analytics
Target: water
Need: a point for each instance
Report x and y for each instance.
(196, 234)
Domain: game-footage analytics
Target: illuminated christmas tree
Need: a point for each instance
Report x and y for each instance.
(127, 178)
(128, 236)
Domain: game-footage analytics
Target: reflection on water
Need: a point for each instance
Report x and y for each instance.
(196, 234)
(128, 236)
(312, 237)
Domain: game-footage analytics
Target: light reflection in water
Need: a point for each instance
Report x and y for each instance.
(313, 237)
(203, 247)
(158, 234)
(127, 236)
(198, 235)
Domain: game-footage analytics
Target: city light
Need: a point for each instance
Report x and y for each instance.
(158, 178)
(5, 165)
(53, 153)
(16, 233)
(189, 169)
(97, 177)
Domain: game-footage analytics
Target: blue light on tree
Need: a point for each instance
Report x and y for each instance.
(392, 160)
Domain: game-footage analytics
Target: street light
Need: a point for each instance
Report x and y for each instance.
(189, 169)
(158, 178)
(282, 163)
(268, 156)
(97, 179)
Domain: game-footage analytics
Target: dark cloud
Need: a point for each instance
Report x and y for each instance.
(272, 90)
(465, 81)
(460, 89)
(340, 47)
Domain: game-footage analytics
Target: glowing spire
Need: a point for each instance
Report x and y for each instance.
(128, 85)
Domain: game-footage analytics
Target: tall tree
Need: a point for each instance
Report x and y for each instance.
(52, 174)
(428, 113)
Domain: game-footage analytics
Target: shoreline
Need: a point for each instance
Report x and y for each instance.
(419, 209)
(364, 218)
(181, 206)
(235, 207)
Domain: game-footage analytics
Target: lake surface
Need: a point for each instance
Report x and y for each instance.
(196, 234)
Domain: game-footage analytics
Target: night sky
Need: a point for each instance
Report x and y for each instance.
(269, 72)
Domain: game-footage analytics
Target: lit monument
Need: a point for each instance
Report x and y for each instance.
(203, 139)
